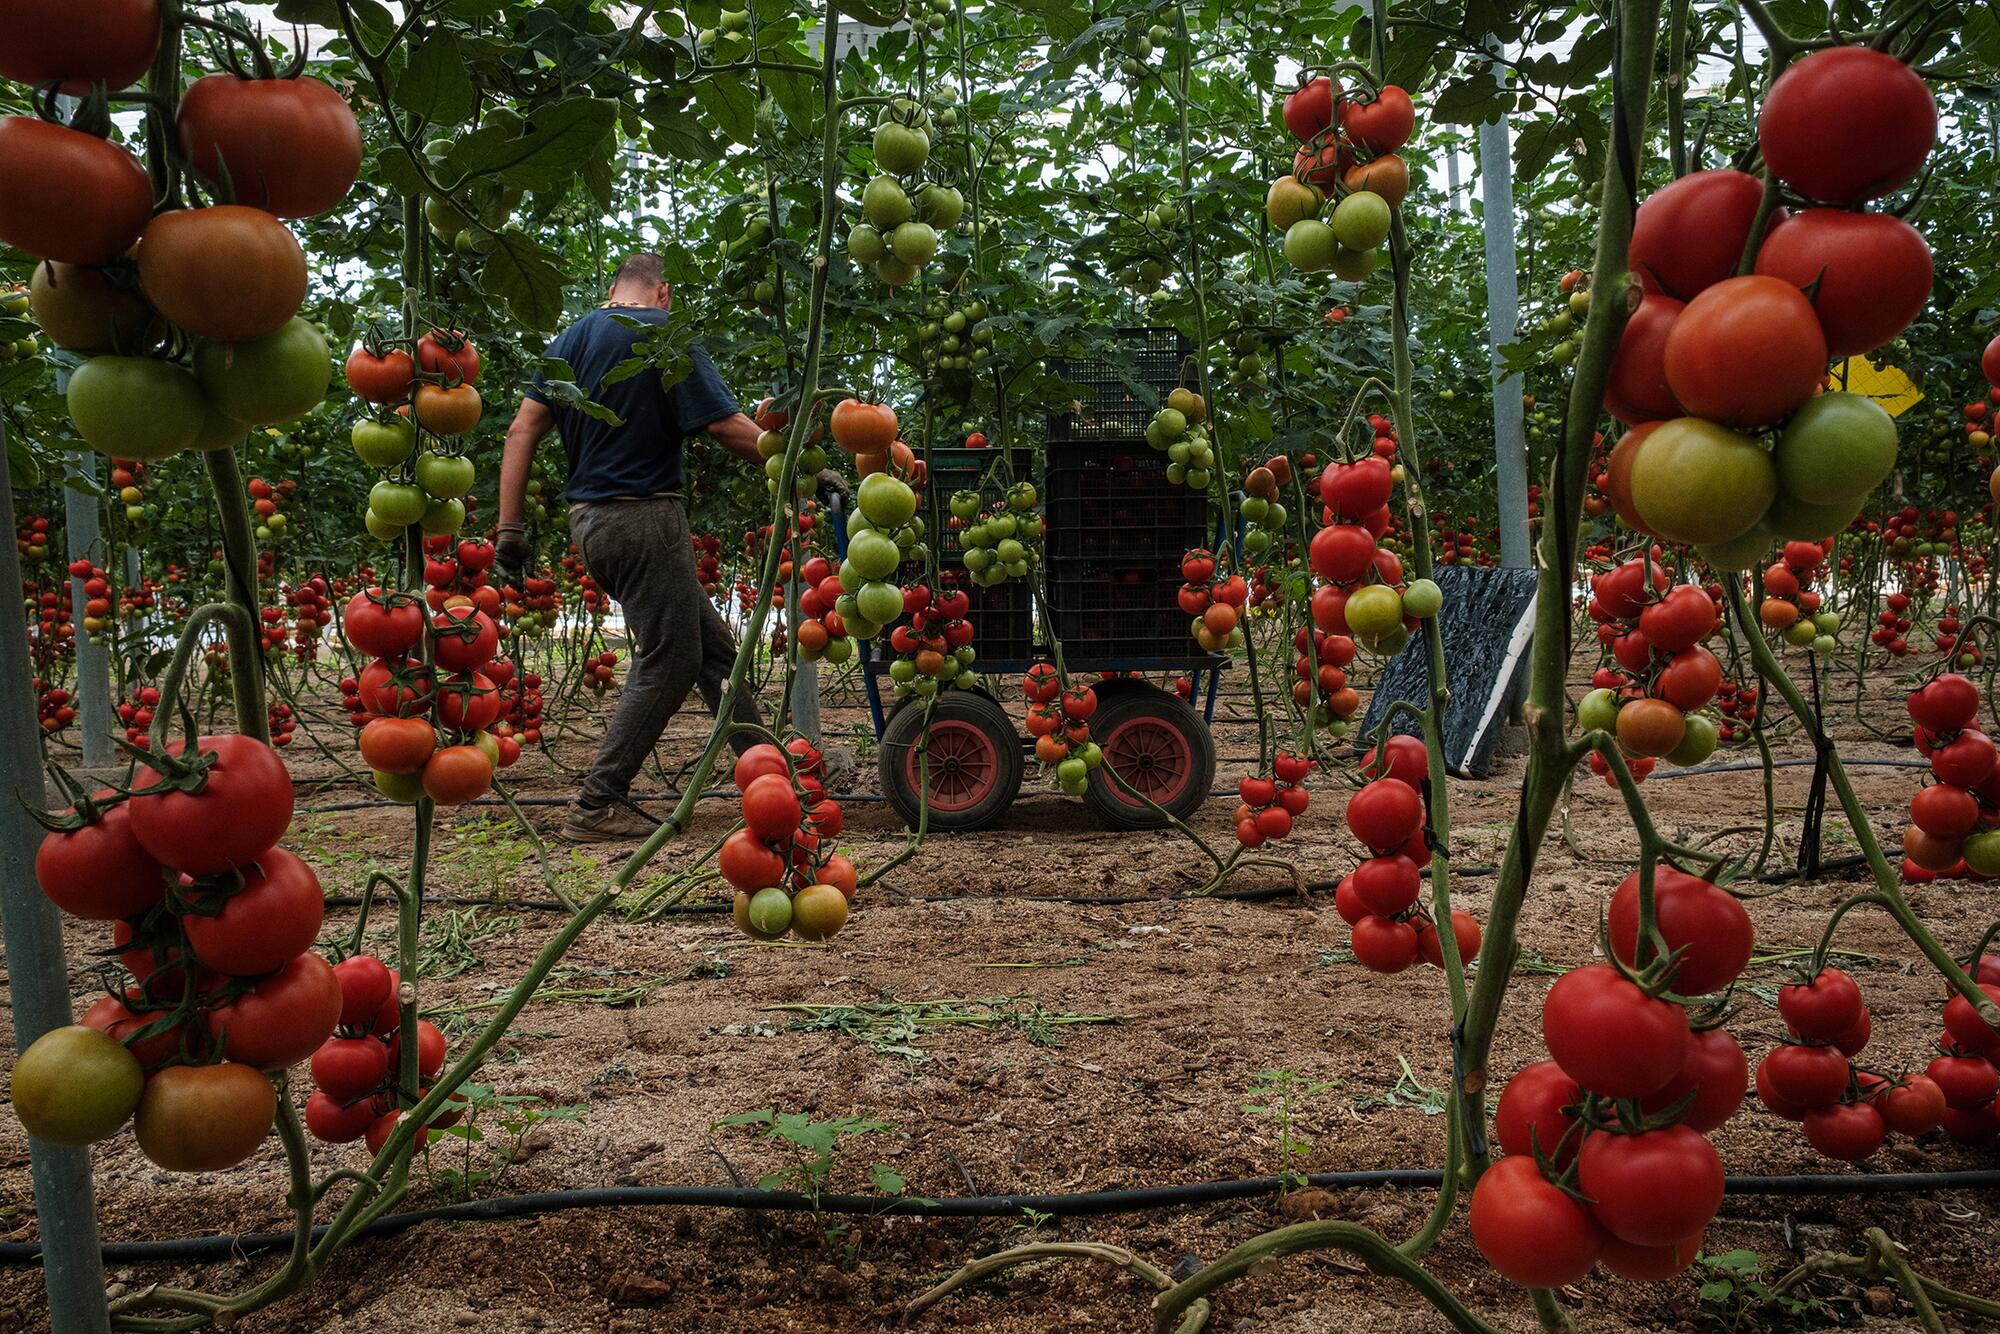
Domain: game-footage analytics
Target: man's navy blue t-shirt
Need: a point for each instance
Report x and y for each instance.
(642, 457)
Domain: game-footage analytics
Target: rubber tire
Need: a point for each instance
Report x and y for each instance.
(1171, 711)
(960, 708)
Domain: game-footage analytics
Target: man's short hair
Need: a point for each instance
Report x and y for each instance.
(643, 268)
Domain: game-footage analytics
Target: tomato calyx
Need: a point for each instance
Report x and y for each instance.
(259, 68)
(85, 809)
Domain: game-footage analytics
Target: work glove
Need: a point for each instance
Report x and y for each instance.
(511, 553)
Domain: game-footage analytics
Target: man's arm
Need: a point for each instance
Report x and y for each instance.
(738, 434)
(530, 427)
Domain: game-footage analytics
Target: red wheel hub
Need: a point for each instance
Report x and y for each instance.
(1150, 755)
(964, 766)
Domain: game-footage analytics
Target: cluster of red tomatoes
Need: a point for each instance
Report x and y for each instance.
(1659, 673)
(782, 862)
(1363, 597)
(53, 709)
(589, 596)
(599, 672)
(268, 501)
(407, 706)
(1893, 622)
(1738, 703)
(97, 617)
(229, 276)
(1989, 362)
(1214, 600)
(1845, 1110)
(1955, 821)
(532, 608)
(822, 631)
(1378, 898)
(1319, 670)
(1268, 804)
(1456, 546)
(216, 925)
(280, 722)
(136, 714)
(934, 647)
(311, 601)
(1348, 148)
(1622, 1110)
(708, 562)
(52, 630)
(1059, 720)
(126, 476)
(1710, 360)
(31, 539)
(356, 1069)
(1792, 609)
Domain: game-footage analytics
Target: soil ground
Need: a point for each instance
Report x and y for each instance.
(1119, 1048)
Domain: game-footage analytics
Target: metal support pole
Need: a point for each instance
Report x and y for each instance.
(38, 976)
(1503, 311)
(94, 717)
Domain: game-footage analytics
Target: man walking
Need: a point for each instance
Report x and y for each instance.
(628, 518)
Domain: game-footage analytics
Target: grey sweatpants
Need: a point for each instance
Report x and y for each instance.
(638, 551)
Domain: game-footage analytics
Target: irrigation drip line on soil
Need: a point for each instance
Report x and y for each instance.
(1137, 1200)
(716, 793)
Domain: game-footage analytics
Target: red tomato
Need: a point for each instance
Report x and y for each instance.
(1967, 1029)
(449, 353)
(1309, 109)
(80, 42)
(1408, 761)
(1966, 1081)
(240, 809)
(289, 146)
(1383, 814)
(1690, 679)
(1384, 945)
(1610, 1036)
(463, 639)
(397, 745)
(282, 1019)
(275, 915)
(1690, 913)
(468, 702)
(458, 774)
(1848, 1131)
(1530, 1230)
(1536, 1110)
(387, 378)
(1747, 351)
(1822, 1009)
(1637, 390)
(748, 864)
(758, 760)
(1680, 620)
(1945, 704)
(350, 1068)
(1914, 1107)
(1847, 124)
(99, 871)
(384, 624)
(1716, 1072)
(71, 197)
(1649, 1264)
(1944, 812)
(113, 1016)
(1869, 273)
(1690, 235)
(1653, 1188)
(204, 1118)
(771, 808)
(331, 1123)
(1805, 1077)
(1386, 885)
(1382, 125)
(430, 1050)
(366, 984)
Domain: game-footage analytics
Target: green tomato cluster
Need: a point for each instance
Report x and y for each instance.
(1149, 264)
(425, 488)
(954, 337)
(1141, 50)
(805, 480)
(883, 532)
(1348, 244)
(1190, 453)
(901, 226)
(1002, 543)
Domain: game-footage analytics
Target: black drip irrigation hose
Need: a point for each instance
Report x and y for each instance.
(1081, 1204)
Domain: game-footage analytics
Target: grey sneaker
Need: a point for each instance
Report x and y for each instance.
(615, 823)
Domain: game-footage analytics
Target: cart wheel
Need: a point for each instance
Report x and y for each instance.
(974, 756)
(1159, 746)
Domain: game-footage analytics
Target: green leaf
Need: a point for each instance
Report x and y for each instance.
(1471, 101)
(886, 1179)
(732, 106)
(680, 134)
(528, 277)
(435, 83)
(624, 370)
(369, 16)
(544, 157)
(763, 1115)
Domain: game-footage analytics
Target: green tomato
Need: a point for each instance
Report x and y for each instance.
(1361, 221)
(276, 378)
(443, 516)
(1697, 742)
(1310, 245)
(1699, 482)
(135, 408)
(770, 911)
(1597, 711)
(1374, 612)
(879, 601)
(1801, 633)
(380, 528)
(839, 650)
(1423, 599)
(75, 1085)
(219, 431)
(384, 444)
(444, 476)
(397, 502)
(1835, 448)
(887, 501)
(903, 671)
(894, 272)
(913, 243)
(865, 244)
(964, 505)
(1981, 851)
(1826, 622)
(941, 206)
(884, 204)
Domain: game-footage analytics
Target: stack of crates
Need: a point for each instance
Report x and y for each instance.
(1117, 526)
(1003, 625)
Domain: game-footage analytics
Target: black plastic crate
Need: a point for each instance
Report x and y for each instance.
(960, 469)
(1118, 607)
(1118, 394)
(1115, 500)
